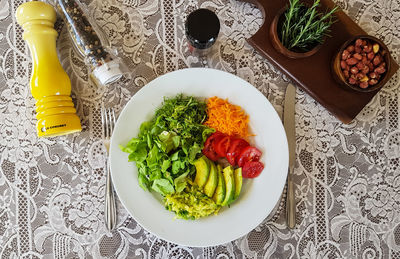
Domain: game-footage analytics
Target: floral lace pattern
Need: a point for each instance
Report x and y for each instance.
(51, 190)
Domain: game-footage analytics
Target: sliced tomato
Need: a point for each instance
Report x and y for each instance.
(248, 154)
(252, 169)
(222, 146)
(210, 153)
(237, 145)
(208, 149)
(213, 137)
(218, 136)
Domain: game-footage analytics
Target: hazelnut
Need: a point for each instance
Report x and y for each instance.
(372, 82)
(354, 70)
(364, 84)
(345, 54)
(351, 61)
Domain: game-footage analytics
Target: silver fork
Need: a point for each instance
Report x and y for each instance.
(108, 123)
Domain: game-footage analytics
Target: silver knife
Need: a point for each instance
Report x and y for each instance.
(289, 124)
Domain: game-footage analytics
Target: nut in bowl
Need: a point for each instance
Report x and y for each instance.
(362, 63)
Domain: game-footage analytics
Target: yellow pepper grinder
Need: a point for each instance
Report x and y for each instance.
(50, 85)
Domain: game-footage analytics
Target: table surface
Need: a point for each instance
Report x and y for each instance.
(51, 190)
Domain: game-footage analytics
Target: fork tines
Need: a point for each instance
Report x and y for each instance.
(107, 121)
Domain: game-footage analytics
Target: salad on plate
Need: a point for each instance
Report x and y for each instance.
(195, 153)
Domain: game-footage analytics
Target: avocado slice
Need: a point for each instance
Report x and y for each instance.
(202, 171)
(237, 175)
(230, 185)
(212, 181)
(219, 194)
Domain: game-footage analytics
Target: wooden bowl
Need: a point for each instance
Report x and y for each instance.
(337, 70)
(277, 44)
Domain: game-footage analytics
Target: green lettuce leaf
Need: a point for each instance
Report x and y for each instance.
(163, 186)
(180, 182)
(167, 145)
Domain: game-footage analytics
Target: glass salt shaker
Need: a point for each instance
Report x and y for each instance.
(105, 66)
(202, 28)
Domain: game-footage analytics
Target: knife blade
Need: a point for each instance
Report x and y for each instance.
(289, 125)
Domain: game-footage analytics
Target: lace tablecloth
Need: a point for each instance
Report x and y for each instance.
(51, 189)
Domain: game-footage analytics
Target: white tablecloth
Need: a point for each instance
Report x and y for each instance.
(51, 189)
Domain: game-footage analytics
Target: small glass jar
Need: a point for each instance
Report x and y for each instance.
(103, 63)
(202, 28)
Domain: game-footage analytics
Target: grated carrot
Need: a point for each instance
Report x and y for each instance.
(226, 117)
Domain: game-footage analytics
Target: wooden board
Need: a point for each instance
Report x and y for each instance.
(313, 74)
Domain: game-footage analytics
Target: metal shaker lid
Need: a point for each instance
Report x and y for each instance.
(108, 72)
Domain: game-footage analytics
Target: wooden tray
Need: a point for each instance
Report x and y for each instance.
(313, 74)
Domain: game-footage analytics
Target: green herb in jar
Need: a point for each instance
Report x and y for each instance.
(302, 27)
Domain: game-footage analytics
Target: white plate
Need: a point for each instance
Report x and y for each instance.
(259, 195)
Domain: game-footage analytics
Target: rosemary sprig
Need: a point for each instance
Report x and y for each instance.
(304, 27)
(289, 14)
